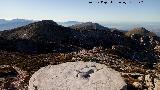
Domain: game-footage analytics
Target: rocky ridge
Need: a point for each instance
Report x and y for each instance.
(48, 37)
(44, 43)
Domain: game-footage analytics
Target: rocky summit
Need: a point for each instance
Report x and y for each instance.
(88, 25)
(24, 50)
(77, 76)
(140, 31)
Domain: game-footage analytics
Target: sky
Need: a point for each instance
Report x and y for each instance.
(81, 10)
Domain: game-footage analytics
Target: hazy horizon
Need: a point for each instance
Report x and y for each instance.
(81, 10)
(152, 26)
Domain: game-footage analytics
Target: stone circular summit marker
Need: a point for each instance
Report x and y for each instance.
(76, 76)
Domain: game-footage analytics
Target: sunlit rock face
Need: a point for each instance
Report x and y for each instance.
(76, 76)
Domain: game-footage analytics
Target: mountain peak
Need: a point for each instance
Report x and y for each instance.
(44, 23)
(88, 25)
(140, 31)
(48, 22)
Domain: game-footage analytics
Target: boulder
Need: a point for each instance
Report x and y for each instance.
(76, 76)
(157, 84)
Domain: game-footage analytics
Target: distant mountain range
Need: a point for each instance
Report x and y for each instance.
(10, 24)
(151, 26)
(14, 23)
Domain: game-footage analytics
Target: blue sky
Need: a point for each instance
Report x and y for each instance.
(81, 10)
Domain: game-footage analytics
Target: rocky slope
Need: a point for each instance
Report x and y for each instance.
(137, 75)
(47, 37)
(39, 37)
(42, 43)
